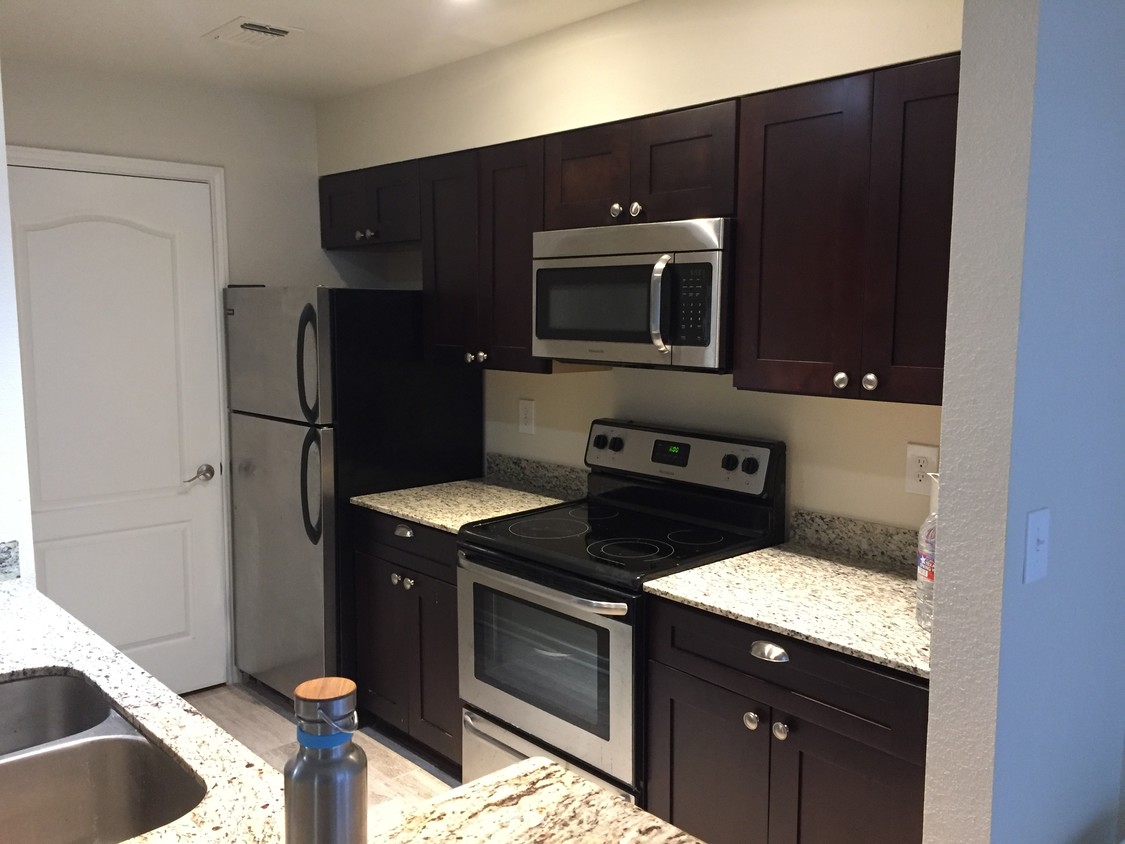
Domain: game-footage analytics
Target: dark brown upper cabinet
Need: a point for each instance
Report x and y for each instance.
(371, 206)
(845, 204)
(510, 208)
(672, 166)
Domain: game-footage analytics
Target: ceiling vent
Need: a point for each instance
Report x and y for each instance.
(247, 33)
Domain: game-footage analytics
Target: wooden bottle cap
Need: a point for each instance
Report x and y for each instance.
(325, 688)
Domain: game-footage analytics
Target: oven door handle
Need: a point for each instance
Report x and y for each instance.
(654, 299)
(608, 608)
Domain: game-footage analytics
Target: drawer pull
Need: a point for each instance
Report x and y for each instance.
(408, 583)
(395, 579)
(750, 719)
(404, 532)
(768, 651)
(780, 731)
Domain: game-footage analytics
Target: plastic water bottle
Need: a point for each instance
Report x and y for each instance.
(326, 780)
(927, 541)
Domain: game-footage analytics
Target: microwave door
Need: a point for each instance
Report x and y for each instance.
(601, 308)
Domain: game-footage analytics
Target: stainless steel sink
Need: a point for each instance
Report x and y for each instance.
(93, 778)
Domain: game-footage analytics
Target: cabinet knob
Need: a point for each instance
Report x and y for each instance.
(395, 579)
(368, 234)
(358, 234)
(840, 380)
(870, 382)
(780, 731)
(408, 583)
(404, 532)
(750, 719)
(482, 357)
(470, 357)
(635, 209)
(615, 210)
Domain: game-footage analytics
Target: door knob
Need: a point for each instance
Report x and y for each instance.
(204, 473)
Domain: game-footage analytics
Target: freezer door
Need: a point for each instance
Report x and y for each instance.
(284, 555)
(279, 362)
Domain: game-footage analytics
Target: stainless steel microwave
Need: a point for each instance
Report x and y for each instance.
(647, 294)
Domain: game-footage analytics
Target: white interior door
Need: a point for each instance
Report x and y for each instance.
(119, 334)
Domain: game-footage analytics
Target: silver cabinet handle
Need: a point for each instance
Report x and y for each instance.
(654, 304)
(358, 234)
(470, 357)
(780, 731)
(404, 532)
(840, 380)
(204, 473)
(482, 357)
(768, 651)
(608, 608)
(635, 209)
(750, 719)
(407, 582)
(615, 210)
(369, 234)
(395, 579)
(869, 382)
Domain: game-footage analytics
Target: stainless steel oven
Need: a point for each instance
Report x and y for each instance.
(650, 294)
(553, 661)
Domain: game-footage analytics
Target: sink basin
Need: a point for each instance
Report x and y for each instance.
(36, 710)
(80, 773)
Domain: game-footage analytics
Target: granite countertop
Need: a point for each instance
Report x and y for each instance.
(244, 799)
(448, 506)
(533, 802)
(849, 603)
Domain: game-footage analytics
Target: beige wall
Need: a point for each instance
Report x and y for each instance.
(647, 57)
(846, 456)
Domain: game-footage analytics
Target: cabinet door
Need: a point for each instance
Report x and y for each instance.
(708, 773)
(587, 171)
(825, 787)
(393, 199)
(343, 210)
(910, 211)
(511, 208)
(435, 708)
(683, 163)
(449, 255)
(802, 183)
(385, 640)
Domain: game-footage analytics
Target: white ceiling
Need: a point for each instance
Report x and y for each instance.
(342, 45)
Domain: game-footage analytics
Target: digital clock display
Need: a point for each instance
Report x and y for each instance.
(670, 453)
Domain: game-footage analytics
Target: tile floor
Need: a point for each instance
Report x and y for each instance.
(396, 779)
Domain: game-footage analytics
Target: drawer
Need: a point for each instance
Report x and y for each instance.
(404, 542)
(876, 705)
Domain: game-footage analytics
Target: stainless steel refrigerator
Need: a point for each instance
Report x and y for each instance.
(330, 397)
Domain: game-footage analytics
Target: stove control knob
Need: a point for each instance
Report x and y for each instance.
(750, 465)
(600, 440)
(730, 462)
(616, 444)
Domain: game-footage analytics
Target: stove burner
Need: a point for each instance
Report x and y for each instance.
(631, 549)
(548, 528)
(695, 536)
(594, 513)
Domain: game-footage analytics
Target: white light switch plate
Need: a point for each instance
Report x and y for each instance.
(920, 461)
(1035, 552)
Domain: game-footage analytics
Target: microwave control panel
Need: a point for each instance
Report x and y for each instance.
(729, 463)
(691, 305)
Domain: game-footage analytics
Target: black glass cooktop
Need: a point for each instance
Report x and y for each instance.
(607, 543)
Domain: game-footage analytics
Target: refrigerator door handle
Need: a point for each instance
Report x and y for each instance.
(312, 529)
(307, 320)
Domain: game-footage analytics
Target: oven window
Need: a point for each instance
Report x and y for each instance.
(609, 304)
(552, 661)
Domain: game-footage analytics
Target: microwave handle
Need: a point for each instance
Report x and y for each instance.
(654, 297)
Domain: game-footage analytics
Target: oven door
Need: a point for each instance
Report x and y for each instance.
(556, 665)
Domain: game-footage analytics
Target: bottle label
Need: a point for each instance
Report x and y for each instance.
(926, 565)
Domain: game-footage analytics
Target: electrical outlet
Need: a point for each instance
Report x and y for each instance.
(920, 461)
(527, 416)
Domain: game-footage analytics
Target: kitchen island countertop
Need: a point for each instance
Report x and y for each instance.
(533, 801)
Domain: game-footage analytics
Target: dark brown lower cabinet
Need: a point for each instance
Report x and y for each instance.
(733, 756)
(406, 652)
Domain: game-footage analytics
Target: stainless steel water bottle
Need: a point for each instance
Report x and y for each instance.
(326, 780)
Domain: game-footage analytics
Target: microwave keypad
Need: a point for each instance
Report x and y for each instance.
(692, 305)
